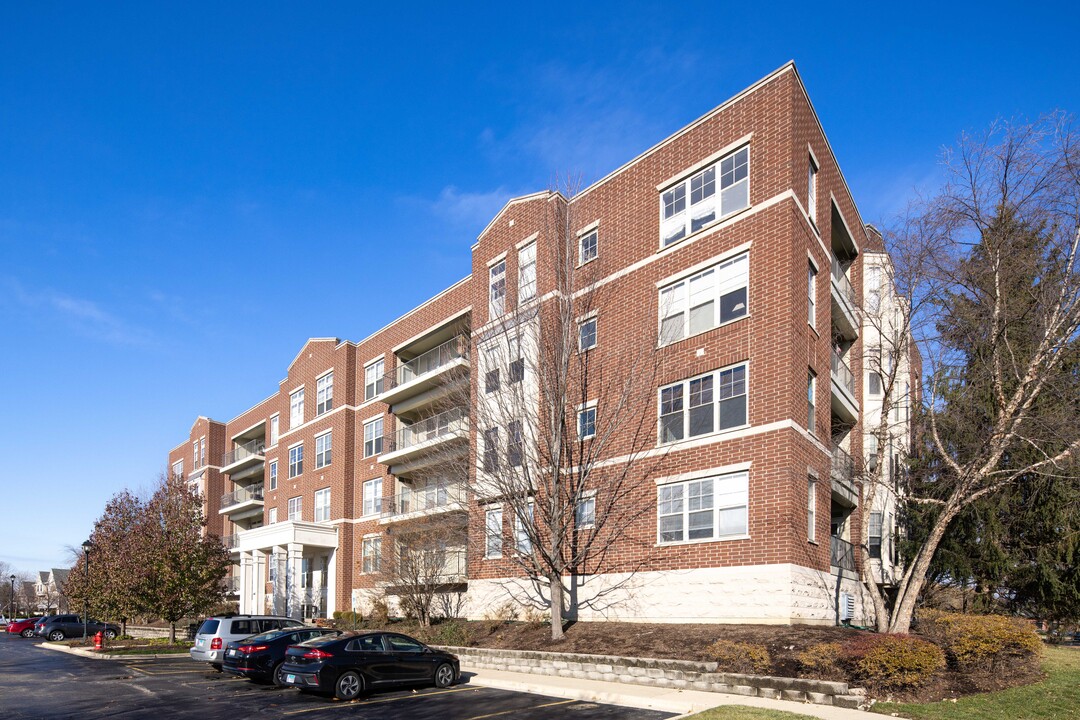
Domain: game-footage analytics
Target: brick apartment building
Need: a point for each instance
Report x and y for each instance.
(736, 247)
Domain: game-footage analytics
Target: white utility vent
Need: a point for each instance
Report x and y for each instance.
(847, 607)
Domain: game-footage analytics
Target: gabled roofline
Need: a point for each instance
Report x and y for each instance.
(303, 347)
(419, 307)
(511, 201)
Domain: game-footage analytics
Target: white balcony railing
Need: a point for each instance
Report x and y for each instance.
(425, 500)
(842, 373)
(429, 362)
(242, 452)
(242, 495)
(445, 424)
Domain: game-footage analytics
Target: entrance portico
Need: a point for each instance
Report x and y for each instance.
(288, 568)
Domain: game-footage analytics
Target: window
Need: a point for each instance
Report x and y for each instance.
(716, 401)
(514, 447)
(324, 394)
(373, 496)
(873, 288)
(178, 469)
(296, 460)
(706, 509)
(493, 533)
(811, 295)
(585, 513)
(491, 381)
(274, 429)
(587, 334)
(677, 219)
(811, 388)
(373, 379)
(811, 191)
(322, 505)
(811, 508)
(322, 450)
(527, 272)
(273, 515)
(371, 552)
(195, 456)
(703, 301)
(874, 384)
(517, 371)
(522, 543)
(296, 408)
(586, 423)
(587, 246)
(874, 540)
(491, 449)
(296, 508)
(273, 474)
(497, 290)
(373, 437)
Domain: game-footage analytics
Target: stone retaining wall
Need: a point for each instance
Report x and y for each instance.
(678, 674)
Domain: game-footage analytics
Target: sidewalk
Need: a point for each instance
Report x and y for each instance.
(682, 702)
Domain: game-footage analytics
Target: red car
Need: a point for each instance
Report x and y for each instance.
(23, 627)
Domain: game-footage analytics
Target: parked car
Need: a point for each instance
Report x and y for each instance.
(259, 656)
(216, 632)
(353, 663)
(24, 627)
(60, 627)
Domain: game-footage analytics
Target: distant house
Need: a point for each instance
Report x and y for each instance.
(49, 591)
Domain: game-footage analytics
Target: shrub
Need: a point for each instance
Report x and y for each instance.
(505, 613)
(453, 633)
(380, 610)
(736, 657)
(822, 661)
(980, 642)
(892, 662)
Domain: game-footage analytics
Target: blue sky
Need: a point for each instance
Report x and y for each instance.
(189, 191)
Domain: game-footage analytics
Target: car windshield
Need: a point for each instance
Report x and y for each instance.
(209, 627)
(323, 640)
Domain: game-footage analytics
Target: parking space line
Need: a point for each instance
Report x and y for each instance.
(517, 710)
(365, 703)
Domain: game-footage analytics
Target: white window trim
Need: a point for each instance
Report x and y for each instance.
(593, 227)
(812, 318)
(590, 405)
(686, 175)
(817, 190)
(502, 540)
(496, 259)
(738, 428)
(316, 505)
(363, 499)
(685, 277)
(585, 495)
(715, 509)
(317, 438)
(526, 241)
(593, 318)
(371, 363)
(271, 422)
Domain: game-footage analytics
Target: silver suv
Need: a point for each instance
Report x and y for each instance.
(215, 633)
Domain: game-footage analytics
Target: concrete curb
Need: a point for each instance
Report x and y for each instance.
(95, 655)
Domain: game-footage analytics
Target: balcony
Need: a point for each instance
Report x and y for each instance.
(243, 502)
(843, 477)
(844, 303)
(416, 382)
(425, 441)
(423, 502)
(453, 570)
(244, 460)
(232, 585)
(231, 542)
(844, 404)
(841, 554)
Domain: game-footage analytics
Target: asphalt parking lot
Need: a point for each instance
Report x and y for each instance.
(36, 683)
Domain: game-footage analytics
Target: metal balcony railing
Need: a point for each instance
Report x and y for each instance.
(445, 424)
(230, 541)
(251, 492)
(435, 566)
(842, 282)
(241, 452)
(430, 361)
(232, 584)
(843, 467)
(841, 553)
(424, 499)
(842, 373)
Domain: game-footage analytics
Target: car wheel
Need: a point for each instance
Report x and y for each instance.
(28, 632)
(277, 676)
(349, 685)
(56, 635)
(110, 634)
(444, 676)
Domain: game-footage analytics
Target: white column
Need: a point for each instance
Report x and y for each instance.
(246, 580)
(281, 579)
(331, 583)
(296, 569)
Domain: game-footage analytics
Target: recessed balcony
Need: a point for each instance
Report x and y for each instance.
(244, 460)
(243, 502)
(426, 441)
(842, 474)
(424, 502)
(841, 554)
(842, 386)
(844, 303)
(416, 382)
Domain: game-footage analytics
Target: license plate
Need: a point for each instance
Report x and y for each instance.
(231, 653)
(290, 678)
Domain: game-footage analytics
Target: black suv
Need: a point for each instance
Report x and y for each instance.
(60, 627)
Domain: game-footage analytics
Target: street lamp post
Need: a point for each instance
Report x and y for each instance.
(86, 590)
(12, 602)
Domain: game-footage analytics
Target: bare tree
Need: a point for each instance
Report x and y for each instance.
(423, 566)
(565, 430)
(990, 291)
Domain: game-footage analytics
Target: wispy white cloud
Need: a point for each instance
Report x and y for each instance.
(469, 209)
(81, 315)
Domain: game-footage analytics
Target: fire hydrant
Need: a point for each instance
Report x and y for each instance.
(99, 640)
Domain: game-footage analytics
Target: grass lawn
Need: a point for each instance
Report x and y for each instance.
(1056, 698)
(738, 712)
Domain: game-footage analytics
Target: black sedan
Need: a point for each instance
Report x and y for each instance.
(258, 657)
(59, 627)
(353, 663)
